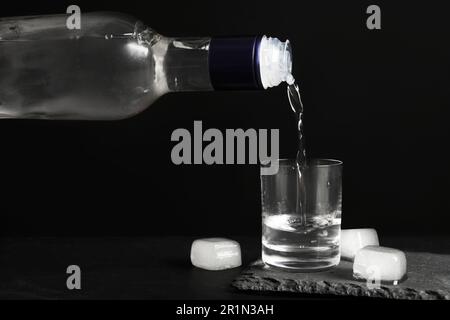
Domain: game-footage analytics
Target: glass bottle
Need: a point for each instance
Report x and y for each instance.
(114, 67)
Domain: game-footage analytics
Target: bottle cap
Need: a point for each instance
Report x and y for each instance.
(275, 62)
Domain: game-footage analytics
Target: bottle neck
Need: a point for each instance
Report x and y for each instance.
(204, 64)
(183, 64)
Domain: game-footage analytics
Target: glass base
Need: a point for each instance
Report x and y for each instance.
(297, 263)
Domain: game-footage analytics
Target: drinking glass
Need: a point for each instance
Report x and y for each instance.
(301, 215)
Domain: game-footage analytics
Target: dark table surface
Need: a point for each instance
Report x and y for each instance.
(137, 268)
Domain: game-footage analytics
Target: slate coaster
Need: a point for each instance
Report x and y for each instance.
(428, 278)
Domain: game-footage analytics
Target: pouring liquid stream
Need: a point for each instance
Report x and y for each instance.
(295, 101)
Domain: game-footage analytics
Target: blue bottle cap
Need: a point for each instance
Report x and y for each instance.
(234, 63)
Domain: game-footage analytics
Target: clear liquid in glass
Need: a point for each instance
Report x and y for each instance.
(289, 242)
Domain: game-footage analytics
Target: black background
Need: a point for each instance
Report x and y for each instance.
(378, 100)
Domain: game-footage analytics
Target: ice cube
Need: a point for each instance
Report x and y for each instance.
(352, 240)
(380, 263)
(216, 253)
